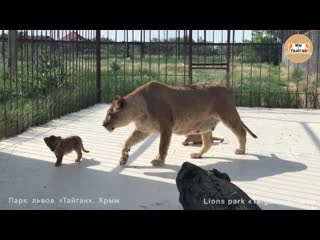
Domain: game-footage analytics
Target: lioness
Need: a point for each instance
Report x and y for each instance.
(183, 110)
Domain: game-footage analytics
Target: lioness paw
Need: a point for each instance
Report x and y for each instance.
(156, 162)
(124, 159)
(239, 151)
(185, 143)
(195, 155)
(122, 162)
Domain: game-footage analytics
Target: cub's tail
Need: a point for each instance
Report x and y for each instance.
(83, 147)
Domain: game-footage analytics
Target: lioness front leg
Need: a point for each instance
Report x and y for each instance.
(165, 138)
(134, 139)
(206, 145)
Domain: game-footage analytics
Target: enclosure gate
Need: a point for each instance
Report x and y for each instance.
(221, 65)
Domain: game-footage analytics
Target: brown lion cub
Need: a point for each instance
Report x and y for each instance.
(62, 146)
(196, 139)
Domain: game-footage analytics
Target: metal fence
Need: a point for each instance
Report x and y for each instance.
(45, 74)
(251, 62)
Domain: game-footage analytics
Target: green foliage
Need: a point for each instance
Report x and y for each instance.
(115, 68)
(297, 75)
(266, 47)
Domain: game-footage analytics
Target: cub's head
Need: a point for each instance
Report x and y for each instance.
(117, 115)
(52, 142)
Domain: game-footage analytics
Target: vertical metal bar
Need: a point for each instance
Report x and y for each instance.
(31, 79)
(132, 69)
(128, 47)
(46, 77)
(241, 77)
(116, 63)
(179, 44)
(68, 97)
(98, 65)
(261, 54)
(28, 84)
(86, 68)
(10, 74)
(288, 96)
(228, 59)
(55, 73)
(141, 54)
(185, 55)
(205, 46)
(4, 85)
(77, 72)
(80, 68)
(159, 52)
(221, 48)
(176, 60)
(198, 48)
(42, 109)
(80, 97)
(316, 90)
(87, 76)
(190, 56)
(232, 72)
(83, 85)
(213, 43)
(60, 91)
(252, 46)
(270, 64)
(37, 77)
(108, 68)
(280, 53)
(166, 57)
(149, 55)
(125, 44)
(58, 73)
(73, 66)
(307, 89)
(91, 68)
(22, 117)
(50, 75)
(16, 81)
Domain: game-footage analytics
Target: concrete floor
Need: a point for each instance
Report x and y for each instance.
(281, 169)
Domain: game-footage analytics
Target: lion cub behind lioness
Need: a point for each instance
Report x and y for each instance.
(196, 139)
(62, 146)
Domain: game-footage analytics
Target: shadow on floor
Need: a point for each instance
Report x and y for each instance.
(240, 169)
(28, 178)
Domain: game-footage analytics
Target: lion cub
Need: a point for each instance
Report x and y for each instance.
(62, 146)
(196, 139)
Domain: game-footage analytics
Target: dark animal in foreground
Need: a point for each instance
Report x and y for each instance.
(210, 190)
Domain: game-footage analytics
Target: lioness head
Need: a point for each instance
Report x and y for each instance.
(117, 115)
(52, 142)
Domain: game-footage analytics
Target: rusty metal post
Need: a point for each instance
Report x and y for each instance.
(228, 59)
(98, 64)
(12, 61)
(190, 56)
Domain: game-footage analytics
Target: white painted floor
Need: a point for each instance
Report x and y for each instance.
(281, 169)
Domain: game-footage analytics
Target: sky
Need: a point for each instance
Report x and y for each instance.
(135, 35)
(217, 35)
